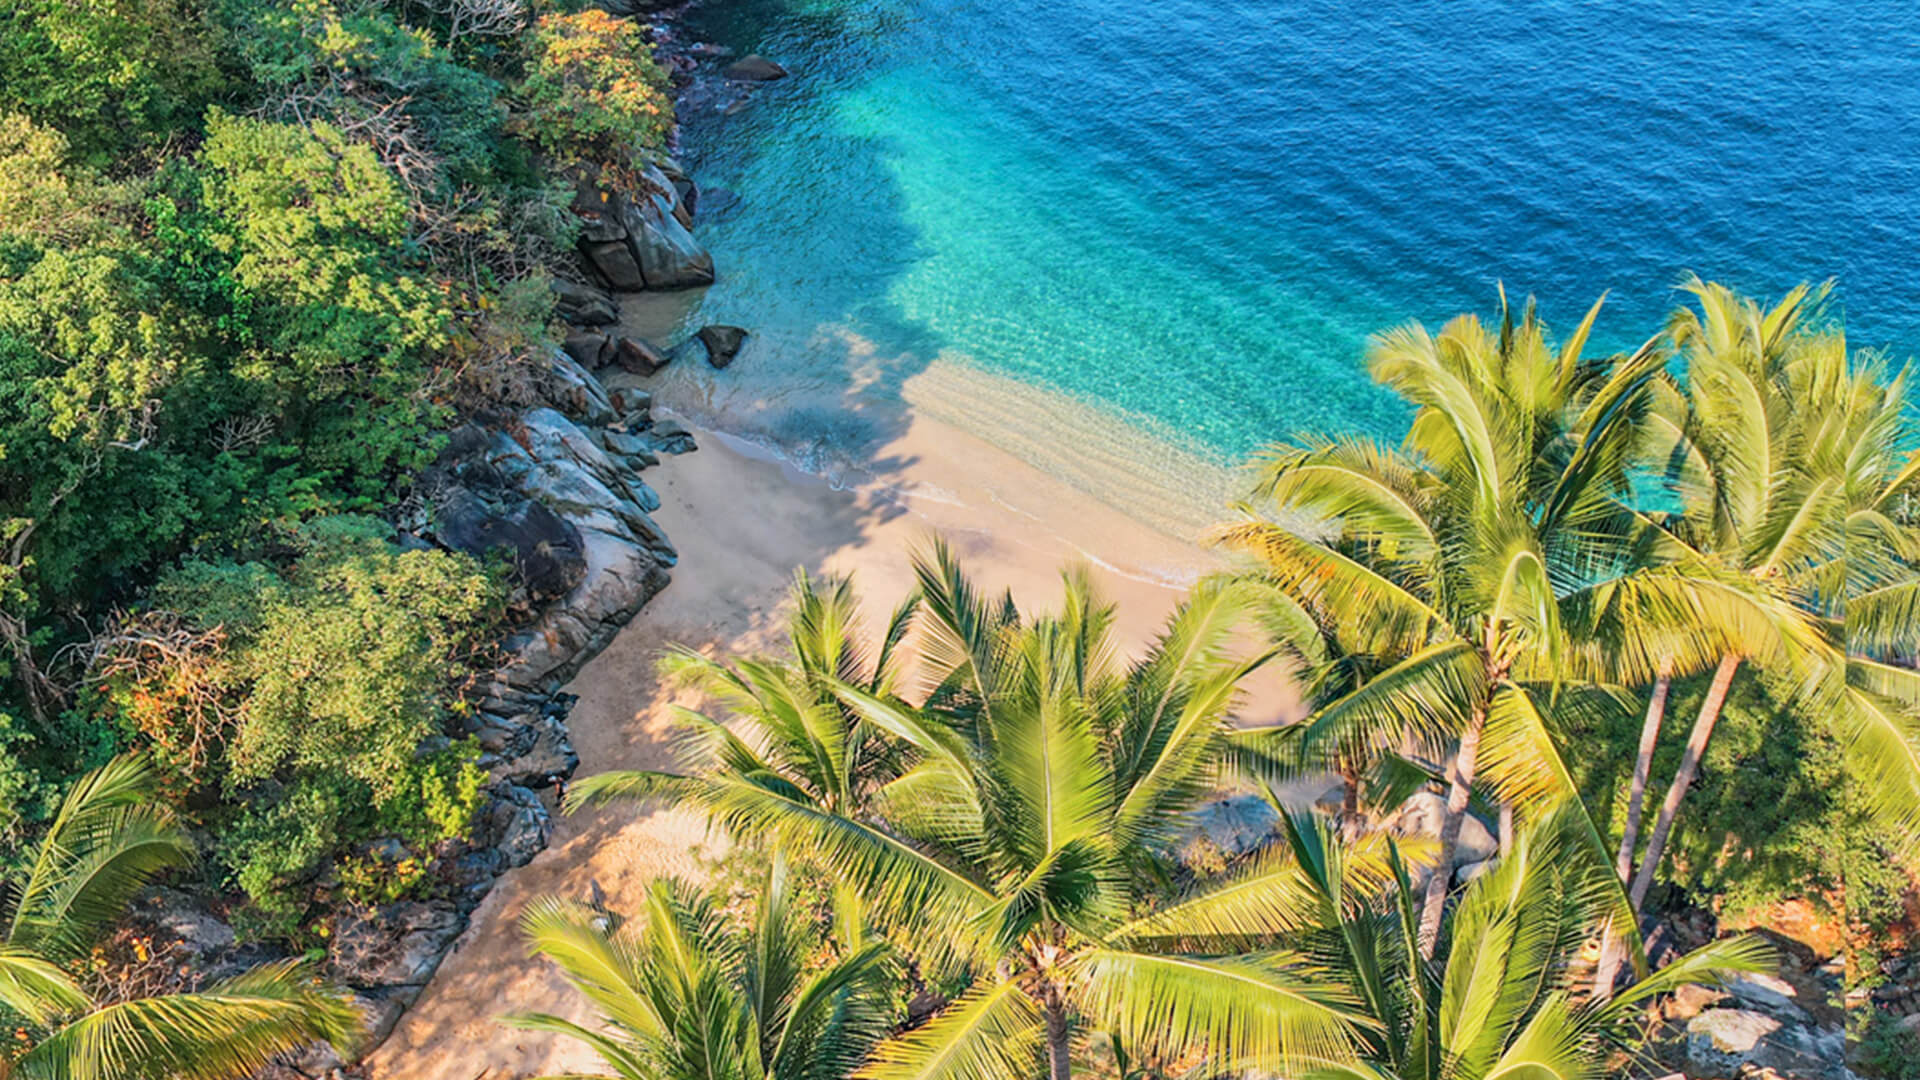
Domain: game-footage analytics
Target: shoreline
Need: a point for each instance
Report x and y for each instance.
(1021, 480)
(744, 521)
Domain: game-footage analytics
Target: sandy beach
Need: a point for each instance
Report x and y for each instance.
(744, 522)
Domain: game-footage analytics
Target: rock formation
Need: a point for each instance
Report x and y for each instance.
(638, 238)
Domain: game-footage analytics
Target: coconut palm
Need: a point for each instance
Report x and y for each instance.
(1499, 996)
(686, 995)
(109, 838)
(1049, 781)
(1790, 466)
(790, 725)
(1484, 563)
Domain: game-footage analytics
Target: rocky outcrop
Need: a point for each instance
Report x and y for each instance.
(556, 491)
(1741, 1042)
(583, 305)
(573, 519)
(639, 238)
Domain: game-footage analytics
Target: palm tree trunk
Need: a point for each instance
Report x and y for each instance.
(1689, 764)
(1506, 828)
(1460, 773)
(1059, 1047)
(1642, 770)
(1610, 955)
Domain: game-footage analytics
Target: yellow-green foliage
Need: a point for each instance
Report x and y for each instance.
(115, 74)
(331, 673)
(340, 660)
(44, 197)
(318, 225)
(593, 93)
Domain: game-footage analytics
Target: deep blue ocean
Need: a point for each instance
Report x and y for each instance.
(1191, 213)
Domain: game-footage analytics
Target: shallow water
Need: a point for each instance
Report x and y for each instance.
(1191, 214)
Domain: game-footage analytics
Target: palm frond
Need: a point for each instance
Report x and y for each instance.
(229, 1029)
(109, 838)
(608, 967)
(992, 1032)
(1266, 1010)
(35, 987)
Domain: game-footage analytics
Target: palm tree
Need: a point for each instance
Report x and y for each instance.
(1789, 463)
(109, 838)
(1499, 996)
(1048, 781)
(1482, 562)
(795, 728)
(686, 996)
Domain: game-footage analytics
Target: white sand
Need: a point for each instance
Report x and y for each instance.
(743, 523)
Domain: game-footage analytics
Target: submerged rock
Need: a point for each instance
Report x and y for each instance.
(754, 68)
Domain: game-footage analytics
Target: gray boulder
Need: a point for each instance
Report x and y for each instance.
(583, 305)
(722, 343)
(547, 758)
(1768, 993)
(519, 826)
(668, 436)
(636, 451)
(589, 350)
(1735, 1042)
(616, 262)
(639, 239)
(397, 945)
(667, 255)
(573, 390)
(754, 68)
(543, 549)
(1425, 812)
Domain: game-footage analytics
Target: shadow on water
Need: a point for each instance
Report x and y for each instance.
(810, 234)
(819, 383)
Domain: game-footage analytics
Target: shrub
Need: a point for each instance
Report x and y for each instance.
(319, 229)
(44, 197)
(302, 693)
(593, 93)
(113, 75)
(341, 660)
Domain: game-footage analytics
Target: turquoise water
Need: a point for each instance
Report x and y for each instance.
(1191, 214)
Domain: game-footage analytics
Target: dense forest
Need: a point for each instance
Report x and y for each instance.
(254, 257)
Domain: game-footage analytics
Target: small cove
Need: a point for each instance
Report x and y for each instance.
(1186, 218)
